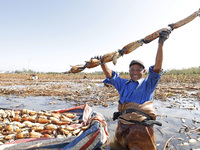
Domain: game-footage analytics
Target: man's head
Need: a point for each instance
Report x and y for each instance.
(136, 70)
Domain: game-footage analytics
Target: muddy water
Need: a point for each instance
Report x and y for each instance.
(180, 116)
(170, 117)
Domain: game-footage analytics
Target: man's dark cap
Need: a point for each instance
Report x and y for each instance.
(139, 62)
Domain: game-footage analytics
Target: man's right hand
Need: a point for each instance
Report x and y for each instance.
(99, 58)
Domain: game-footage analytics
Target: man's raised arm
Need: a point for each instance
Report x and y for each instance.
(164, 35)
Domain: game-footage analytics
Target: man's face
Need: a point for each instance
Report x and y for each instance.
(136, 72)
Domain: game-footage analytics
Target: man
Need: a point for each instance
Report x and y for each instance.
(136, 115)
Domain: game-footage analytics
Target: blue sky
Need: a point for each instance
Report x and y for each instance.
(49, 35)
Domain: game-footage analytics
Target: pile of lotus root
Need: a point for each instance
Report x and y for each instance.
(20, 124)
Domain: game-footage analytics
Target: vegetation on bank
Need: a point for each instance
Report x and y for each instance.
(188, 71)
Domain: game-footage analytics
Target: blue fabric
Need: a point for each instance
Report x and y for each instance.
(138, 92)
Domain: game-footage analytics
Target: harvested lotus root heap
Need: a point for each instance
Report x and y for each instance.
(20, 124)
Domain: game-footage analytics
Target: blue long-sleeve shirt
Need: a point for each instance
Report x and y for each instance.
(139, 91)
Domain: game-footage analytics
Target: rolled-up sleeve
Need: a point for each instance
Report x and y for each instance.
(153, 79)
(112, 80)
(153, 74)
(116, 81)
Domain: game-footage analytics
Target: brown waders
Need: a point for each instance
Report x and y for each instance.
(135, 127)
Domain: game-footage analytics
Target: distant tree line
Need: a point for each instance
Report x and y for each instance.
(29, 71)
(189, 71)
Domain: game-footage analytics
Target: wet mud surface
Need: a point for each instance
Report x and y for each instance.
(177, 104)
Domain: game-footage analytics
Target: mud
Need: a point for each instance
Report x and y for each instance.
(177, 105)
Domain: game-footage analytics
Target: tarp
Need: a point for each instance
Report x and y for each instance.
(94, 137)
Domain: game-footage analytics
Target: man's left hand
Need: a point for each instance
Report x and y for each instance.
(163, 36)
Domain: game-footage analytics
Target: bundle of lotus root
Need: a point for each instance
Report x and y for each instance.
(113, 56)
